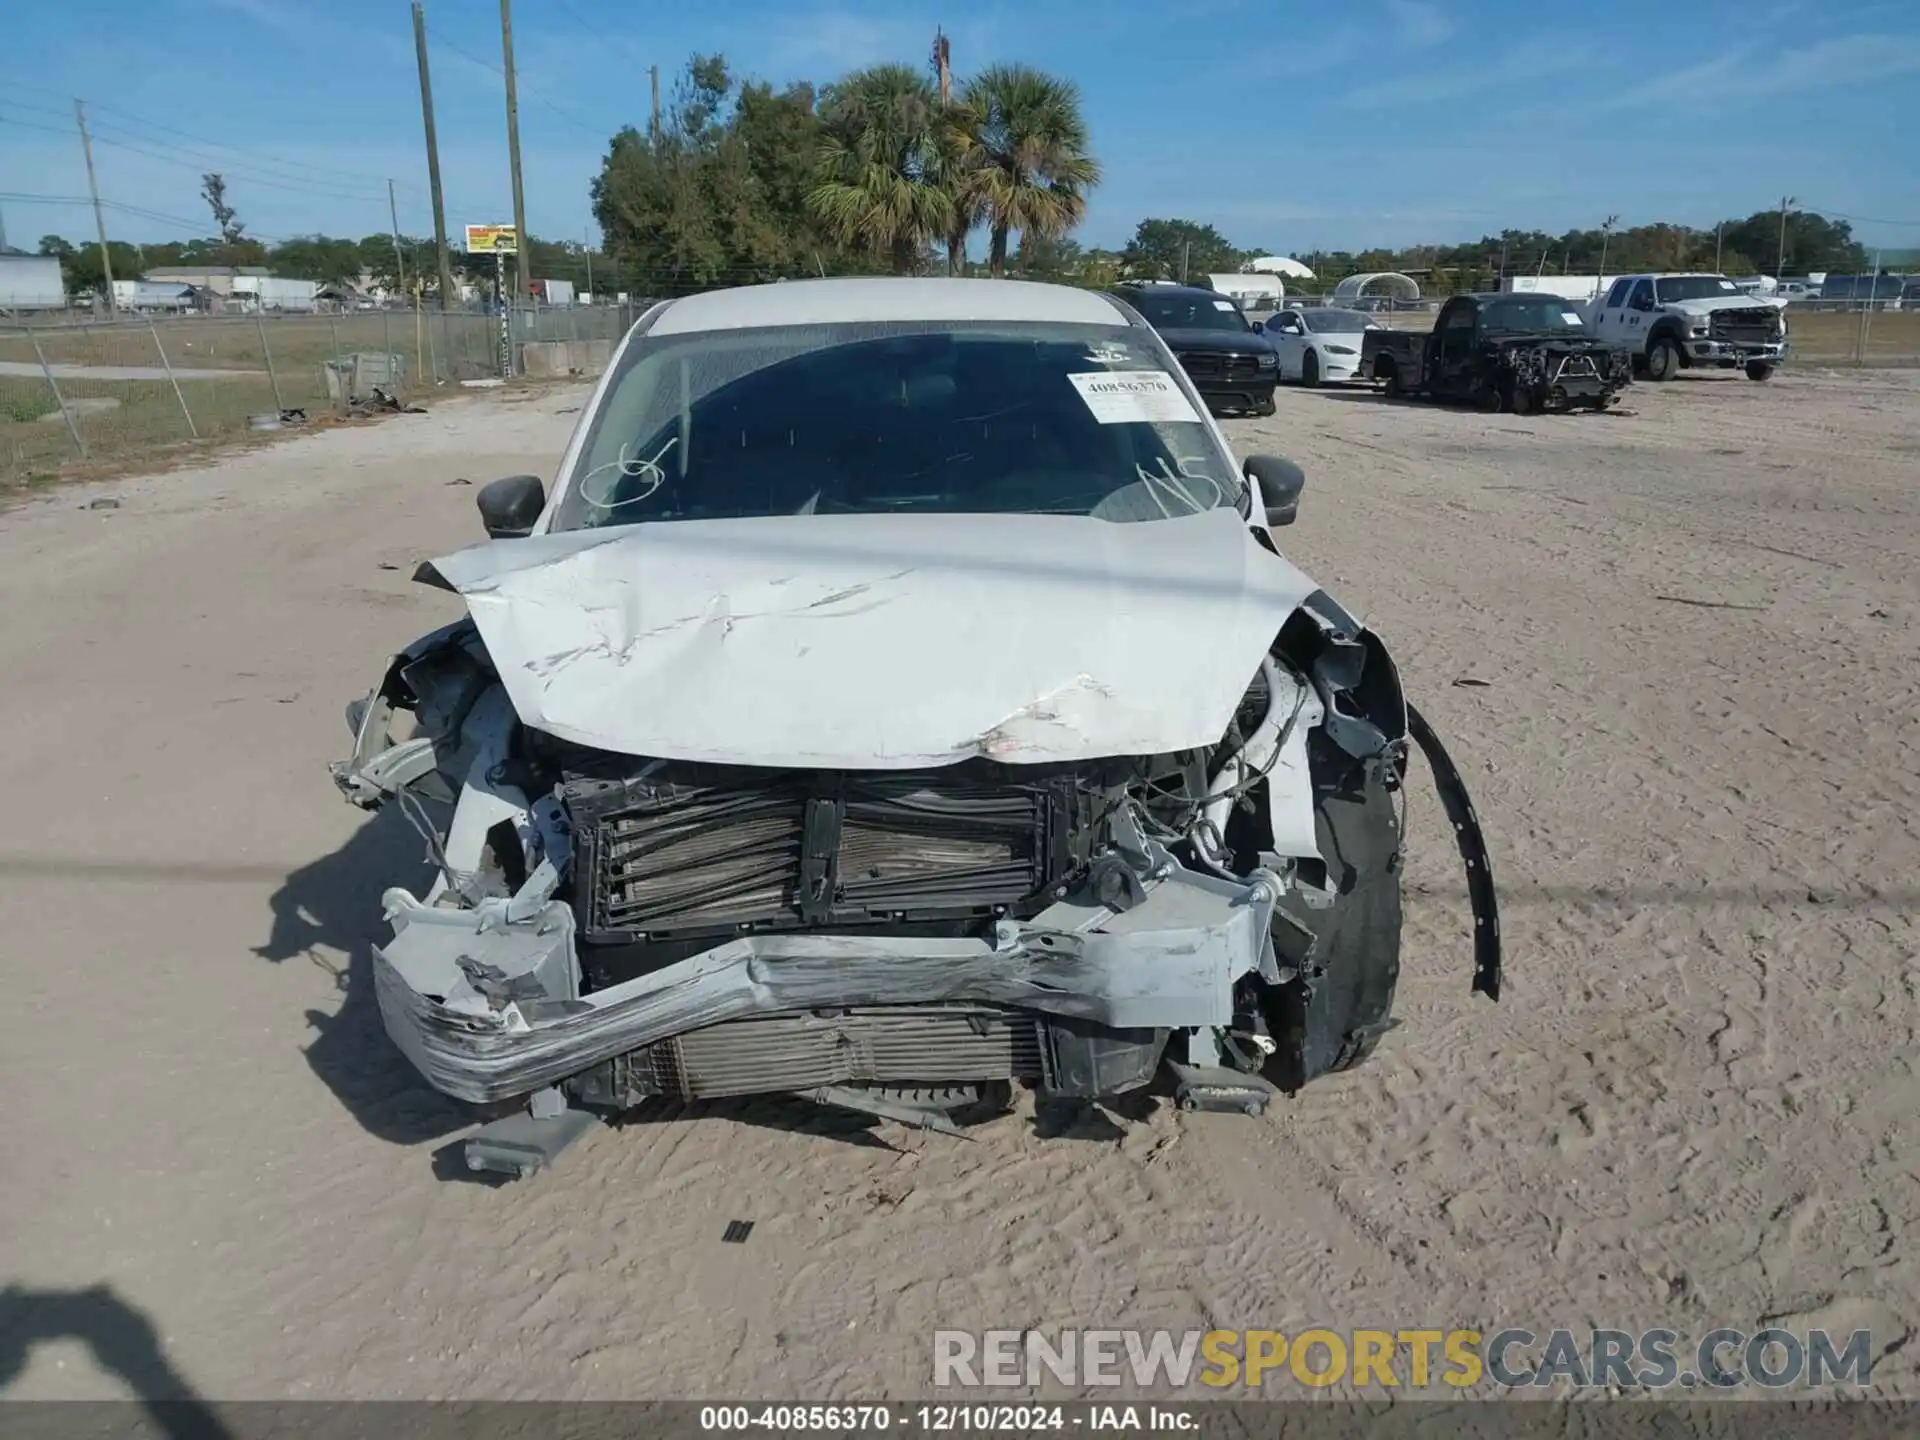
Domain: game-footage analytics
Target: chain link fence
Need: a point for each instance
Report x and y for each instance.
(78, 388)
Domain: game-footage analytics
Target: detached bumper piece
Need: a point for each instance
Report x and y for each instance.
(1080, 996)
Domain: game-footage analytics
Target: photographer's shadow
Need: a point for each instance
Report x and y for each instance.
(329, 909)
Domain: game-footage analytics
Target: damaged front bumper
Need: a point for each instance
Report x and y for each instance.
(486, 1006)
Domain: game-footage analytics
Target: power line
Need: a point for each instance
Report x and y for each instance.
(271, 183)
(567, 115)
(199, 167)
(1858, 219)
(276, 161)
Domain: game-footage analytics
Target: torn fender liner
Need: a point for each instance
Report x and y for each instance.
(1022, 638)
(1473, 853)
(1167, 962)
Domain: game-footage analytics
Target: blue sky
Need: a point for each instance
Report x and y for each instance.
(1373, 122)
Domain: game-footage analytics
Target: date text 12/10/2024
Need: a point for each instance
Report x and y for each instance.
(944, 1418)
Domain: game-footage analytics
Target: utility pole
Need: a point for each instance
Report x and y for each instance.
(520, 242)
(1186, 247)
(433, 157)
(99, 219)
(943, 66)
(586, 239)
(653, 125)
(1717, 231)
(399, 265)
(1606, 238)
(1780, 264)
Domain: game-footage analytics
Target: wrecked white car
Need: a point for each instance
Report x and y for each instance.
(900, 696)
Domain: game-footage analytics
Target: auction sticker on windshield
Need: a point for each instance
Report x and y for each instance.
(1123, 397)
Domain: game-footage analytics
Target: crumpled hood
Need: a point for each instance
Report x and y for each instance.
(881, 641)
(1724, 302)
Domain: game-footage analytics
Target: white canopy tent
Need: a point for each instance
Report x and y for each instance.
(1278, 265)
(1380, 282)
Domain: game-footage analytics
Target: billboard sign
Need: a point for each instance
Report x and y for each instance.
(492, 240)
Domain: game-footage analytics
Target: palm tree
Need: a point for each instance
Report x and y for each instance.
(959, 158)
(1034, 171)
(881, 184)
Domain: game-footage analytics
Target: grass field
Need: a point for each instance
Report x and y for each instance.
(224, 370)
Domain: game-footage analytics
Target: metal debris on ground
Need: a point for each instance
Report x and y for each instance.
(382, 402)
(461, 480)
(1710, 604)
(1468, 680)
(736, 1232)
(104, 503)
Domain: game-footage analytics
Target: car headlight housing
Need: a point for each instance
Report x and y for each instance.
(1340, 350)
(1267, 362)
(1699, 329)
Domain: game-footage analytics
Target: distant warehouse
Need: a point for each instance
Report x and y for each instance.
(31, 282)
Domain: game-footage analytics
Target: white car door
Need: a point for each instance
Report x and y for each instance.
(1609, 314)
(1288, 334)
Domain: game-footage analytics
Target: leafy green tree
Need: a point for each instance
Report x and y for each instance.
(720, 194)
(1170, 249)
(213, 189)
(1813, 243)
(318, 257)
(880, 190)
(1035, 166)
(80, 264)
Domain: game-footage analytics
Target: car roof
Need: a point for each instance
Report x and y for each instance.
(880, 298)
(1161, 287)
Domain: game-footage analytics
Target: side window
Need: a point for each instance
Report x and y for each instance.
(1617, 296)
(1460, 317)
(1642, 297)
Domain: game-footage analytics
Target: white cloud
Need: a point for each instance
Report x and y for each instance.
(1530, 61)
(1419, 24)
(1743, 75)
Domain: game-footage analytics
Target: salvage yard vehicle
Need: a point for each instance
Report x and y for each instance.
(1318, 342)
(1225, 355)
(1516, 352)
(1670, 323)
(900, 695)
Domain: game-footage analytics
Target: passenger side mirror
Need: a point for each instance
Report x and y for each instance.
(1280, 482)
(508, 508)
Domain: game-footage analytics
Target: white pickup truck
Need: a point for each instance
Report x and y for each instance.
(1674, 322)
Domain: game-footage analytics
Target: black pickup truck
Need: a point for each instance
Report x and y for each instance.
(1522, 353)
(1230, 362)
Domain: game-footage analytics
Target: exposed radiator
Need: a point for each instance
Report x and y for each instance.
(931, 1044)
(1756, 324)
(699, 851)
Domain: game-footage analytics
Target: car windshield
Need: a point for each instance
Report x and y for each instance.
(1187, 311)
(1336, 322)
(932, 417)
(1693, 287)
(1532, 312)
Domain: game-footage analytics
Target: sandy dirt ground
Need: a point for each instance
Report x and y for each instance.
(1693, 628)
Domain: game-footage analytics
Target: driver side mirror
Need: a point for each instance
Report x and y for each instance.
(1280, 482)
(509, 508)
